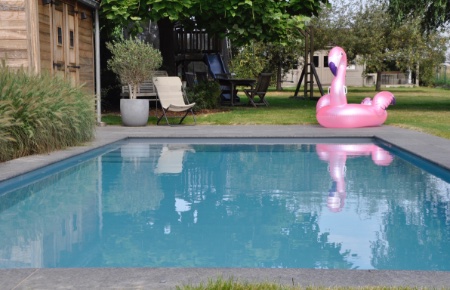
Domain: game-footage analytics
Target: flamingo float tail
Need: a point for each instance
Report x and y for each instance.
(382, 100)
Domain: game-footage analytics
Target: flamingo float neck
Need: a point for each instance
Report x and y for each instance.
(337, 62)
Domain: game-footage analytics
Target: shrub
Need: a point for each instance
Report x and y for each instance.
(250, 61)
(206, 95)
(39, 113)
(133, 61)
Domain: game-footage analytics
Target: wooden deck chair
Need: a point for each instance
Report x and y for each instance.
(190, 79)
(171, 97)
(262, 84)
(201, 77)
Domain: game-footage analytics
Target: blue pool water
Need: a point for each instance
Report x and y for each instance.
(294, 203)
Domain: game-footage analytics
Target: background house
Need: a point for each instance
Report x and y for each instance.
(354, 77)
(50, 35)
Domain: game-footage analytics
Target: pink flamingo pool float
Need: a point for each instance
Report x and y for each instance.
(336, 155)
(332, 110)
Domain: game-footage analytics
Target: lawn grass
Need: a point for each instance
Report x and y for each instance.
(232, 284)
(421, 109)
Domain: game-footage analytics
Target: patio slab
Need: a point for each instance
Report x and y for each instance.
(434, 149)
(170, 278)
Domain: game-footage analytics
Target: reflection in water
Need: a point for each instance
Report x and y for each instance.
(172, 157)
(176, 205)
(336, 155)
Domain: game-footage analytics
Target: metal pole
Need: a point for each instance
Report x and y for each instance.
(311, 63)
(307, 61)
(97, 70)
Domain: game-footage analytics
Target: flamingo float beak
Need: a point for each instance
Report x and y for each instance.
(333, 68)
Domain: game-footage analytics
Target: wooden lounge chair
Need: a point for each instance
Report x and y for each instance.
(260, 90)
(171, 97)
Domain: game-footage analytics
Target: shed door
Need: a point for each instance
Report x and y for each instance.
(65, 41)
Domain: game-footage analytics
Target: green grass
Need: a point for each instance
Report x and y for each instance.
(421, 109)
(231, 284)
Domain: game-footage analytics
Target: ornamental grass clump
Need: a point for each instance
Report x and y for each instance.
(134, 61)
(39, 114)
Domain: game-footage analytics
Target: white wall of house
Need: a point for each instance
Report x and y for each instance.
(354, 75)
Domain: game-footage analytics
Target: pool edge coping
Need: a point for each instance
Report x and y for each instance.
(170, 278)
(433, 149)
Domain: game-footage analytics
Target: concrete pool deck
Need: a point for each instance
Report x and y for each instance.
(434, 149)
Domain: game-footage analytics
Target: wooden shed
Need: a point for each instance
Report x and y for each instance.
(50, 35)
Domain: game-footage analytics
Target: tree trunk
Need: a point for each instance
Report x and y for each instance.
(167, 46)
(130, 91)
(417, 75)
(279, 76)
(378, 83)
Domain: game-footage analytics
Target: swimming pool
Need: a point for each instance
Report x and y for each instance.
(186, 203)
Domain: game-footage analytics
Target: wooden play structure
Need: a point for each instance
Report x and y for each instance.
(309, 73)
(192, 45)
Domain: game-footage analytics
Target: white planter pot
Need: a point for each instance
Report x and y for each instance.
(134, 112)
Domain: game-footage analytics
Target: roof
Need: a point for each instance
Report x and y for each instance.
(91, 3)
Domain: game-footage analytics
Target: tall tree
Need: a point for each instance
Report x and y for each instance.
(333, 27)
(417, 51)
(250, 60)
(362, 30)
(133, 13)
(240, 20)
(374, 30)
(433, 14)
(371, 33)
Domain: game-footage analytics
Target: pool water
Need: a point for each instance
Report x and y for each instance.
(268, 203)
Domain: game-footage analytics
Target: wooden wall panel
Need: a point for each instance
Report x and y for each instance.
(13, 54)
(60, 42)
(13, 24)
(45, 37)
(13, 33)
(16, 63)
(44, 40)
(13, 45)
(86, 41)
(86, 50)
(31, 9)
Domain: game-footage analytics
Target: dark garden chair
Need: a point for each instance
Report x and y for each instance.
(260, 90)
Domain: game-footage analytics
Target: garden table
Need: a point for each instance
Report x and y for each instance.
(234, 82)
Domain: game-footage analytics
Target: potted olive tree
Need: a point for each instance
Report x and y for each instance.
(134, 61)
